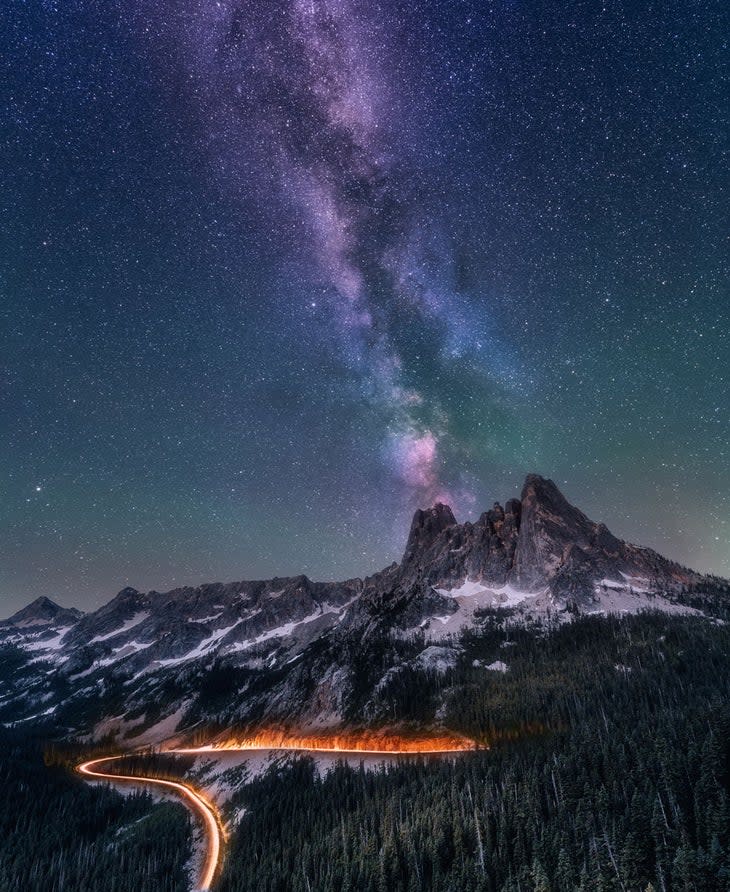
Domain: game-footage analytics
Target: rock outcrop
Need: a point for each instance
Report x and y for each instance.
(537, 542)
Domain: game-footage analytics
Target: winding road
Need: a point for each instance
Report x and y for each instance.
(202, 810)
(205, 812)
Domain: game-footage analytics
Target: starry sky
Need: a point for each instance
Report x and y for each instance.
(276, 272)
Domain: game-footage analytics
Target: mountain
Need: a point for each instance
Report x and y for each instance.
(539, 543)
(323, 654)
(43, 612)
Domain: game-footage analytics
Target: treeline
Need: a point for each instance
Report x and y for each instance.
(609, 772)
(60, 834)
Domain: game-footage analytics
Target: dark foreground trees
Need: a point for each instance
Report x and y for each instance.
(60, 834)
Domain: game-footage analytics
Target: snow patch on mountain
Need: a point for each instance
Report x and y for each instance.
(283, 631)
(203, 648)
(612, 596)
(43, 645)
(121, 652)
(125, 627)
(471, 596)
(483, 594)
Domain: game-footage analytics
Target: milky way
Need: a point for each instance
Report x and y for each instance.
(275, 273)
(312, 86)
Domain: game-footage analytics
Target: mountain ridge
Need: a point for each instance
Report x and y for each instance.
(436, 528)
(319, 653)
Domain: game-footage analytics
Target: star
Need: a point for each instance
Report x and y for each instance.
(357, 258)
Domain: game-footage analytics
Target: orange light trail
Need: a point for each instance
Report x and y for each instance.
(365, 744)
(195, 802)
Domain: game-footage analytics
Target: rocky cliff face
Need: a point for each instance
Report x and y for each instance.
(539, 542)
(291, 647)
(441, 551)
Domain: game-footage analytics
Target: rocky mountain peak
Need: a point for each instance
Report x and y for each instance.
(127, 594)
(43, 611)
(541, 495)
(549, 528)
(441, 551)
(126, 602)
(522, 542)
(537, 543)
(426, 527)
(43, 605)
(560, 548)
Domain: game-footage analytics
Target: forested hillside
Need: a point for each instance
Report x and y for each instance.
(610, 773)
(59, 834)
(608, 770)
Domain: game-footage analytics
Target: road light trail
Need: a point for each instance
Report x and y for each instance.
(197, 804)
(204, 810)
(344, 743)
(313, 750)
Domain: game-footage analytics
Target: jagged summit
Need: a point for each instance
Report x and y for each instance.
(535, 543)
(426, 526)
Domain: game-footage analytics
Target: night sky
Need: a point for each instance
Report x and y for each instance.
(276, 272)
